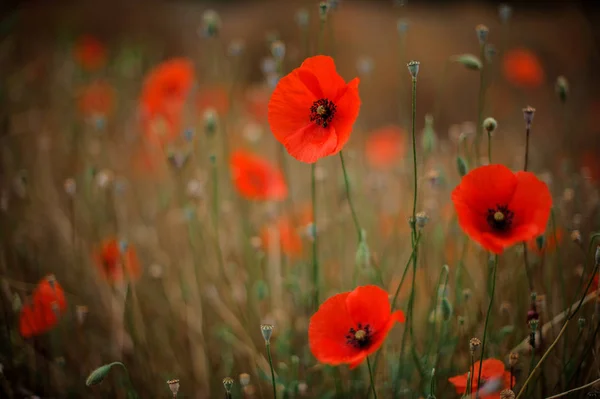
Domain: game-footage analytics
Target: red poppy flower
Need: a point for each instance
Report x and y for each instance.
(97, 99)
(215, 97)
(498, 208)
(288, 236)
(522, 68)
(350, 326)
(492, 372)
(47, 306)
(163, 97)
(90, 53)
(255, 178)
(116, 263)
(385, 146)
(312, 110)
(550, 242)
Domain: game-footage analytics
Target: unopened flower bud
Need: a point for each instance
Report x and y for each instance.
(474, 343)
(267, 332)
(210, 119)
(173, 386)
(562, 88)
(211, 23)
(422, 219)
(528, 113)
(482, 33)
(533, 324)
(490, 124)
(323, 10)
(413, 68)
(228, 384)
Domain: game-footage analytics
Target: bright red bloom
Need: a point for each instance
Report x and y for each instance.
(312, 110)
(385, 146)
(90, 53)
(491, 371)
(255, 178)
(163, 97)
(97, 99)
(116, 264)
(350, 326)
(48, 305)
(522, 68)
(498, 208)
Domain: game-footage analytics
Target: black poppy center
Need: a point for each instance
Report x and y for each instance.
(322, 112)
(360, 337)
(500, 218)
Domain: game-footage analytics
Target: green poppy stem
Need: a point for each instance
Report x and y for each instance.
(485, 326)
(268, 344)
(372, 378)
(347, 185)
(315, 262)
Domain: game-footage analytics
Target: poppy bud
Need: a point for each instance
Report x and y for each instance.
(302, 18)
(461, 164)
(228, 384)
(323, 9)
(562, 88)
(267, 331)
(528, 113)
(173, 386)
(422, 219)
(474, 343)
(363, 253)
(533, 324)
(211, 23)
(490, 124)
(413, 68)
(469, 61)
(278, 49)
(505, 12)
(244, 379)
(482, 33)
(210, 119)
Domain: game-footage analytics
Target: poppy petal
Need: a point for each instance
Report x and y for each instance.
(327, 332)
(369, 305)
(348, 107)
(311, 142)
(531, 202)
(323, 68)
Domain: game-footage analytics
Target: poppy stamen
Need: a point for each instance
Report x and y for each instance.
(322, 112)
(500, 219)
(359, 338)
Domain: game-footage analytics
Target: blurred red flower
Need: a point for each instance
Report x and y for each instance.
(498, 208)
(492, 371)
(90, 53)
(164, 93)
(385, 147)
(352, 325)
(312, 110)
(97, 99)
(255, 178)
(522, 68)
(117, 261)
(287, 235)
(42, 314)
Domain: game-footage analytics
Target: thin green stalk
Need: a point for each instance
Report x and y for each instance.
(560, 334)
(215, 176)
(313, 192)
(527, 134)
(268, 344)
(591, 384)
(480, 103)
(349, 197)
(489, 147)
(372, 378)
(485, 326)
(469, 390)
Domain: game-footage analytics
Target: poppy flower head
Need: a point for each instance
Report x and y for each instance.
(498, 208)
(163, 97)
(255, 178)
(492, 371)
(289, 238)
(522, 68)
(312, 110)
(90, 53)
(350, 326)
(117, 261)
(384, 147)
(47, 306)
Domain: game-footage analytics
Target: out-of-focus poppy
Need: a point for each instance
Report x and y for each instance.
(96, 100)
(312, 110)
(90, 53)
(286, 233)
(522, 68)
(117, 261)
(498, 208)
(550, 242)
(255, 178)
(215, 97)
(385, 146)
(350, 326)
(164, 94)
(47, 306)
(494, 378)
